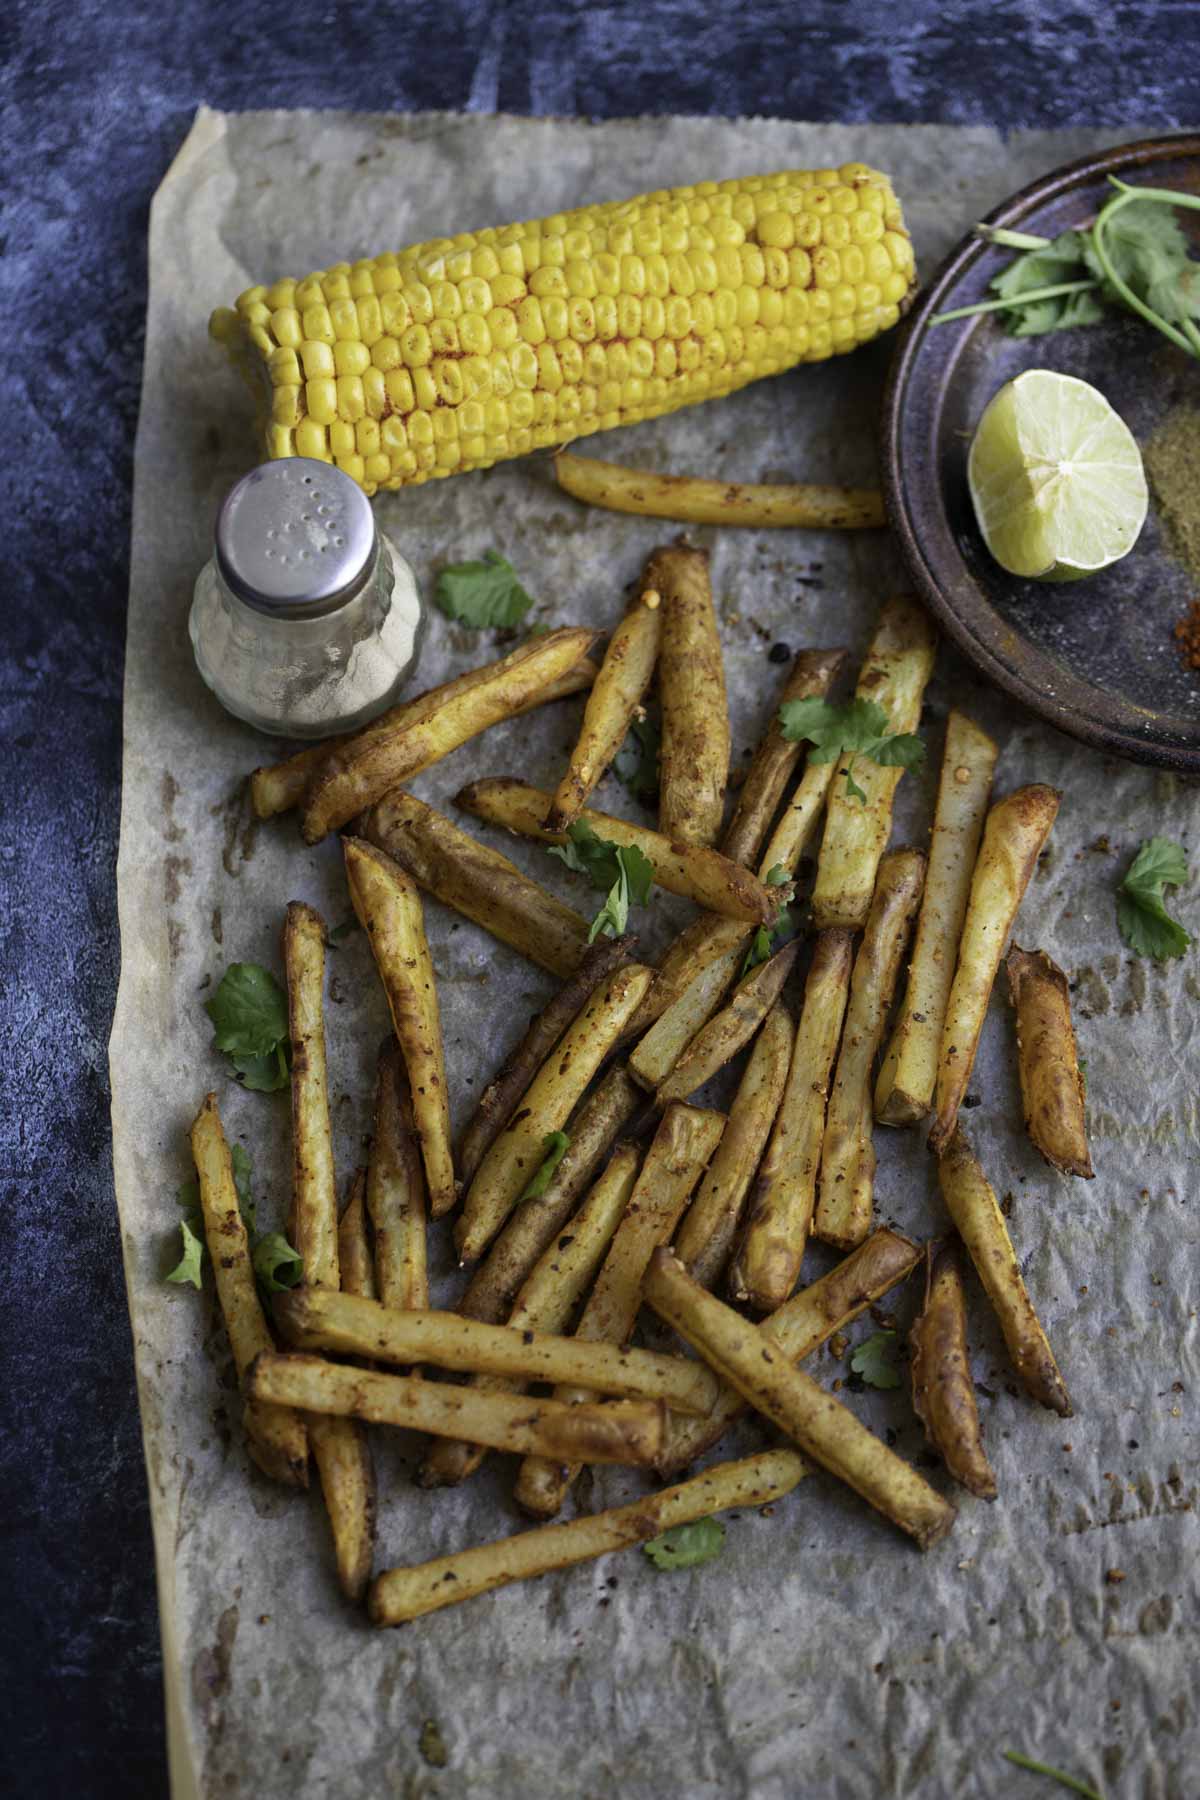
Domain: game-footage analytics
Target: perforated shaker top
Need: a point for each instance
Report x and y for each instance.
(295, 538)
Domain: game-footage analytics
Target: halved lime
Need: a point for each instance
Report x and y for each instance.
(1056, 478)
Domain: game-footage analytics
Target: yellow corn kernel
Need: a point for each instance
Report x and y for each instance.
(283, 367)
(321, 399)
(311, 439)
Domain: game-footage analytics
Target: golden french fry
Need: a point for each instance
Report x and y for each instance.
(604, 1431)
(502, 1095)
(694, 761)
(1052, 1089)
(477, 882)
(407, 1593)
(897, 667)
(277, 1438)
(799, 1327)
(703, 1241)
(812, 674)
(904, 1089)
(358, 773)
(693, 500)
(356, 1266)
(824, 1429)
(655, 1055)
(972, 1204)
(942, 1390)
(767, 1262)
(343, 1459)
(396, 1188)
(719, 1041)
(795, 834)
(1016, 830)
(618, 691)
(519, 1151)
(686, 957)
(698, 873)
(314, 1187)
(389, 909)
(846, 1187)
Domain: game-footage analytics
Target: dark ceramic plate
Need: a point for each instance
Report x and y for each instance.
(1097, 657)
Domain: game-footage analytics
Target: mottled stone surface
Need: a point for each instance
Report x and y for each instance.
(95, 101)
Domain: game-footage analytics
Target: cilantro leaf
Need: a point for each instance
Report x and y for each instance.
(859, 728)
(852, 787)
(276, 1263)
(1147, 249)
(189, 1265)
(1059, 1775)
(264, 1074)
(872, 1359)
(334, 937)
(1144, 921)
(554, 1147)
(626, 873)
(587, 854)
(686, 1546)
(777, 876)
(480, 594)
(636, 762)
(768, 939)
(248, 1011)
(899, 750)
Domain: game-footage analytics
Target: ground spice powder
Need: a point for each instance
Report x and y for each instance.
(1172, 459)
(1187, 635)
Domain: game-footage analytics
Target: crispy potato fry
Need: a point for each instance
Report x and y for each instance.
(359, 772)
(846, 1188)
(655, 1055)
(719, 1041)
(617, 693)
(698, 945)
(604, 1431)
(314, 1213)
(547, 1299)
(904, 1089)
(356, 1265)
(975, 1211)
(694, 761)
(518, 1152)
(343, 1458)
(942, 1390)
(696, 501)
(1052, 1090)
(703, 1241)
(389, 909)
(692, 870)
(812, 674)
(897, 667)
(277, 787)
(825, 1430)
(407, 1593)
(799, 1327)
(477, 882)
(396, 1188)
(502, 1095)
(1016, 830)
(767, 1263)
(277, 1438)
(795, 834)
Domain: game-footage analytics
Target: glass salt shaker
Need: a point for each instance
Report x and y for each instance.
(307, 620)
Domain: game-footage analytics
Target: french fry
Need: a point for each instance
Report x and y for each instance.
(710, 1225)
(314, 1187)
(477, 882)
(395, 1191)
(719, 1041)
(694, 760)
(767, 1262)
(358, 773)
(1052, 1089)
(547, 1298)
(407, 1593)
(276, 1436)
(502, 1095)
(812, 674)
(356, 1266)
(389, 909)
(278, 787)
(824, 1429)
(942, 1390)
(618, 691)
(682, 1146)
(1016, 830)
(695, 501)
(796, 832)
(655, 1055)
(343, 1459)
(519, 1151)
(972, 1204)
(603, 1431)
(799, 1327)
(696, 872)
(908, 1074)
(846, 1186)
(897, 667)
(687, 956)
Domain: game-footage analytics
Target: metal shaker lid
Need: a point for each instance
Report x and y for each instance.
(295, 538)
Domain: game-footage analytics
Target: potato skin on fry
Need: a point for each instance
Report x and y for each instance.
(619, 688)
(942, 1390)
(656, 1053)
(698, 944)
(694, 763)
(314, 1190)
(812, 674)
(718, 1042)
(395, 1191)
(1052, 1088)
(695, 501)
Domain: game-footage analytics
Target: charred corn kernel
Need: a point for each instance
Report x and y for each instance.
(464, 350)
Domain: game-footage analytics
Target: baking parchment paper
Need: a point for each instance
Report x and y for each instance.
(821, 1655)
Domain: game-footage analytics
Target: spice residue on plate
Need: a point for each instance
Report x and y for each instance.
(1187, 635)
(1172, 459)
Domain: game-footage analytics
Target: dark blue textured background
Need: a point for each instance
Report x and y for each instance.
(94, 101)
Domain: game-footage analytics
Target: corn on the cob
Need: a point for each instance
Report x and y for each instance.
(461, 351)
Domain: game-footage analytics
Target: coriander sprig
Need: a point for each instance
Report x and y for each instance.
(622, 869)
